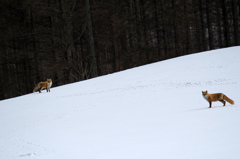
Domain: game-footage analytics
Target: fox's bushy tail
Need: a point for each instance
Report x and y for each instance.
(228, 99)
(37, 87)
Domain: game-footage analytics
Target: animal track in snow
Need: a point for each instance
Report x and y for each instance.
(28, 155)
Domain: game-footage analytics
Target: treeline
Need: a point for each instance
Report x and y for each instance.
(74, 40)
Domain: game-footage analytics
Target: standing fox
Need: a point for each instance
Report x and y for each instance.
(216, 97)
(42, 85)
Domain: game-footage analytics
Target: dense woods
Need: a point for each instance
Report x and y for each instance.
(74, 40)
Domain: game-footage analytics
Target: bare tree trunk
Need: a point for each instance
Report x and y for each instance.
(67, 36)
(209, 24)
(157, 29)
(93, 61)
(236, 20)
(219, 26)
(175, 31)
(197, 22)
(165, 36)
(203, 26)
(115, 38)
(36, 56)
(225, 23)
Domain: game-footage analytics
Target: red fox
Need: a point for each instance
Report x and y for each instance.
(216, 97)
(42, 85)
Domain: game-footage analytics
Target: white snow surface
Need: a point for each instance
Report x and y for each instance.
(155, 111)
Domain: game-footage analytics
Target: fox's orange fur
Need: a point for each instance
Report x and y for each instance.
(42, 85)
(216, 97)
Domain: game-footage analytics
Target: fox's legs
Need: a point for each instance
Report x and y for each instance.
(223, 101)
(48, 89)
(40, 89)
(210, 104)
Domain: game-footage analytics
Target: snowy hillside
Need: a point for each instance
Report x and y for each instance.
(151, 112)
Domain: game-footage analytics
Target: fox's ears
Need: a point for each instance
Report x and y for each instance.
(204, 91)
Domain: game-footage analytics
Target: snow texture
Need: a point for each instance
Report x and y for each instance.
(149, 112)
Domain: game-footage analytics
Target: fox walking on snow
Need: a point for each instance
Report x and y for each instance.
(42, 85)
(216, 97)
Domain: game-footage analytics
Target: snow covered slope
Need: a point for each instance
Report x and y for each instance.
(150, 112)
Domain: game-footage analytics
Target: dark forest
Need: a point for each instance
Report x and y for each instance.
(75, 40)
